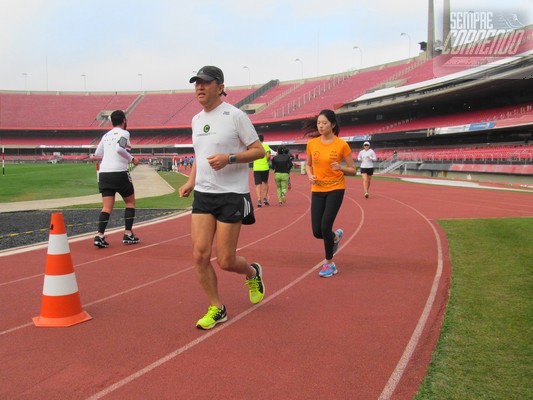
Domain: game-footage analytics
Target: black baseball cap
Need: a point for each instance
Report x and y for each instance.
(209, 73)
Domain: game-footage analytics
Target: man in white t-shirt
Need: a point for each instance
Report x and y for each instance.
(114, 177)
(224, 142)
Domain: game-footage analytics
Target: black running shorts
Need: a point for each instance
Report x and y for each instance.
(225, 207)
(261, 177)
(110, 183)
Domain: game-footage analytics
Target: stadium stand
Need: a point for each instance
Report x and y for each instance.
(157, 109)
(275, 93)
(468, 57)
(308, 97)
(282, 136)
(445, 124)
(464, 154)
(58, 110)
(520, 111)
(64, 140)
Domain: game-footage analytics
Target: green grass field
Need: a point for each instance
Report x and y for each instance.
(485, 350)
(24, 182)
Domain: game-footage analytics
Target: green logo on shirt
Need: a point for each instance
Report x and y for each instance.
(206, 128)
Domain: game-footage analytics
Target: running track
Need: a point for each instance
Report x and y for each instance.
(366, 333)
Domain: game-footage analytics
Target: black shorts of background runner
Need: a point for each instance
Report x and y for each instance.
(110, 183)
(261, 177)
(368, 171)
(225, 207)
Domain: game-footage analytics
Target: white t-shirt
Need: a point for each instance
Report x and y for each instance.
(367, 158)
(226, 129)
(114, 148)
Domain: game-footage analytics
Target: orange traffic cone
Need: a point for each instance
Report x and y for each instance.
(61, 305)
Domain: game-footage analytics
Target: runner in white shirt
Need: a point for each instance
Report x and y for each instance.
(230, 131)
(114, 150)
(224, 141)
(367, 157)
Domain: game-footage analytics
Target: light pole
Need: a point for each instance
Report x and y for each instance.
(408, 37)
(25, 75)
(302, 66)
(141, 79)
(360, 56)
(249, 80)
(84, 81)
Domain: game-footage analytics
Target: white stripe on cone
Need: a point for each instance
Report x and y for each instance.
(58, 244)
(60, 285)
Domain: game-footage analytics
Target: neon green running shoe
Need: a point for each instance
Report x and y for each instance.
(256, 286)
(214, 316)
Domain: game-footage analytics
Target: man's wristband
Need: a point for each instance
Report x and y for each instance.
(232, 159)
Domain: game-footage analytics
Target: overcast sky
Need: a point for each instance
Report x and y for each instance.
(119, 45)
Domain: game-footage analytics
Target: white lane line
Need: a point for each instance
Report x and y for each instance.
(398, 372)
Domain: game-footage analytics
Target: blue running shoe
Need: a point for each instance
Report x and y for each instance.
(339, 233)
(333, 268)
(328, 270)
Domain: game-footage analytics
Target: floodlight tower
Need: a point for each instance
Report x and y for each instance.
(431, 30)
(431, 25)
(446, 22)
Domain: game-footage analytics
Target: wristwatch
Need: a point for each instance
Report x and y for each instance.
(232, 159)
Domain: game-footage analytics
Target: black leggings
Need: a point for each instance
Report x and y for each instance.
(324, 209)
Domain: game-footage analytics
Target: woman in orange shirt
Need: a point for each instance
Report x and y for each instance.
(325, 154)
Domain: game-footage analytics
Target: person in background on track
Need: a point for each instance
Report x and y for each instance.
(325, 154)
(261, 170)
(114, 176)
(282, 164)
(224, 142)
(367, 157)
(289, 185)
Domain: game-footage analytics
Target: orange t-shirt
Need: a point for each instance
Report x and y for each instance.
(322, 155)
